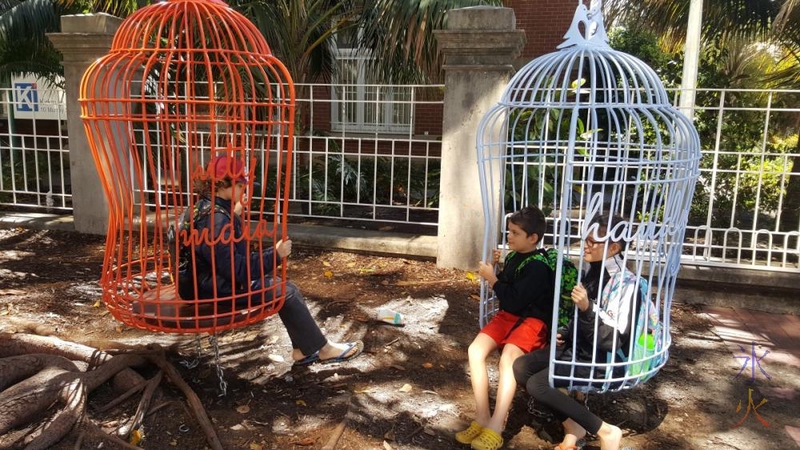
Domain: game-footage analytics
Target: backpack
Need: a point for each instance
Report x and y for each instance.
(181, 263)
(569, 278)
(647, 336)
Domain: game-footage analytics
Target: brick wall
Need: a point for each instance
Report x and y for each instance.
(545, 22)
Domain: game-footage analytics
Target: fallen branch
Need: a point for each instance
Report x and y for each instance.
(197, 406)
(158, 408)
(412, 283)
(89, 426)
(337, 433)
(122, 397)
(144, 405)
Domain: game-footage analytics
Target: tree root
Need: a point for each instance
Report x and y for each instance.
(94, 429)
(144, 405)
(36, 373)
(21, 344)
(194, 401)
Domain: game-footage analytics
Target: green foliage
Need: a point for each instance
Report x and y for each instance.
(367, 180)
(644, 45)
(751, 172)
(400, 34)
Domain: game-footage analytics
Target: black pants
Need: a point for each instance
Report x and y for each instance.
(531, 371)
(302, 328)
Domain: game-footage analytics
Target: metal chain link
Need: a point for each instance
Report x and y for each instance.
(191, 364)
(223, 386)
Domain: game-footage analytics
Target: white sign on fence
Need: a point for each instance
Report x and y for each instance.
(37, 98)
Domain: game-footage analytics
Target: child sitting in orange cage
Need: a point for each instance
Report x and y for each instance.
(220, 264)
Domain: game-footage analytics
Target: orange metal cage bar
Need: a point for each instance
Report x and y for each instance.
(186, 80)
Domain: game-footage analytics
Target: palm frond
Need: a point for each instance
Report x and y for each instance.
(750, 18)
(786, 73)
(299, 31)
(30, 18)
(399, 34)
(29, 56)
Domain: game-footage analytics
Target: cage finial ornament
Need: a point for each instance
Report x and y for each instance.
(588, 134)
(594, 32)
(189, 102)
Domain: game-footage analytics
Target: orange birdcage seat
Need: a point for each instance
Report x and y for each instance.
(184, 81)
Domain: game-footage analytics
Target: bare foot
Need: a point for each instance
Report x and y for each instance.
(572, 434)
(340, 350)
(610, 437)
(333, 351)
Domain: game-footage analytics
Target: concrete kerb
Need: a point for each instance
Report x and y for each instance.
(404, 245)
(775, 292)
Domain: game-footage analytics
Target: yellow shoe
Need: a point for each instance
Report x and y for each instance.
(468, 435)
(487, 440)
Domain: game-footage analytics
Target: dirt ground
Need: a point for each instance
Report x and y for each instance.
(410, 389)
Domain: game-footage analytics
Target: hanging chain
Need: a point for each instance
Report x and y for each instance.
(223, 386)
(191, 364)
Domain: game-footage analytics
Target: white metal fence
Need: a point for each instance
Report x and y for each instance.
(744, 214)
(747, 200)
(34, 155)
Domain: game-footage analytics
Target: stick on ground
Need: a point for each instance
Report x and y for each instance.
(194, 401)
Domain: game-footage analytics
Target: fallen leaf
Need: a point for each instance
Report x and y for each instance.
(472, 277)
(256, 446)
(136, 437)
(362, 391)
(326, 264)
(406, 388)
(386, 228)
(244, 409)
(427, 365)
(363, 319)
(328, 274)
(400, 368)
(118, 329)
(387, 446)
(300, 403)
(351, 264)
(475, 297)
(173, 443)
(304, 442)
(97, 304)
(276, 358)
(429, 432)
(389, 435)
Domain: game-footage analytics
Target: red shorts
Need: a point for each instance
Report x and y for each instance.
(530, 335)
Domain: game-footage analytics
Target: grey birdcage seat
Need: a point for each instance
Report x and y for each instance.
(583, 131)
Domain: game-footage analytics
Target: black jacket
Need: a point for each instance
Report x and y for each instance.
(606, 333)
(221, 253)
(528, 293)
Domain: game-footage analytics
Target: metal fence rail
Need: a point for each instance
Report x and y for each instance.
(34, 157)
(746, 203)
(372, 153)
(344, 169)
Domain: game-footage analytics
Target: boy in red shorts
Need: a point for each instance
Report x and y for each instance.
(524, 289)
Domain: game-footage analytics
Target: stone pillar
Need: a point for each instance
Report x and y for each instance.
(83, 39)
(480, 45)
